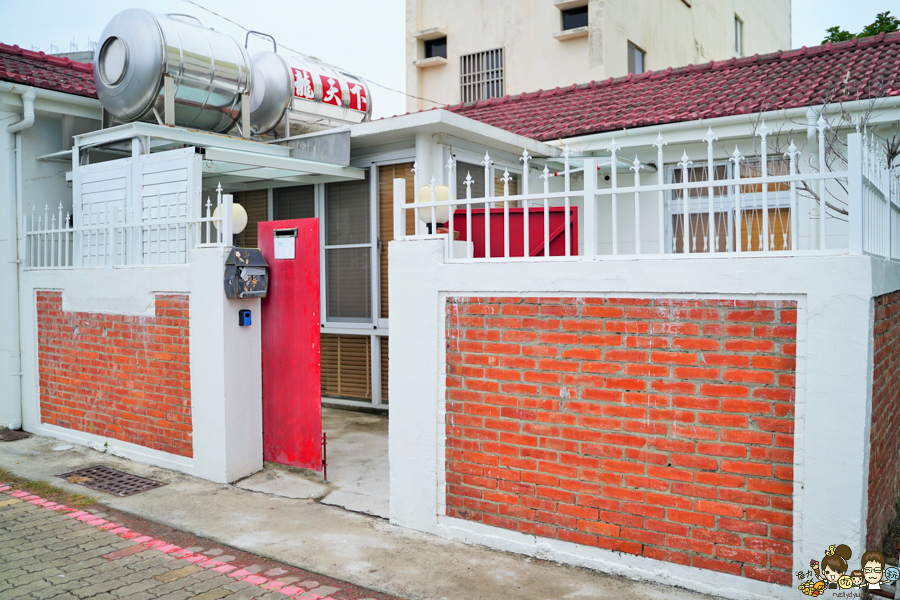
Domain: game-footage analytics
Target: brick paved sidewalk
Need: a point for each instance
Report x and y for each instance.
(51, 551)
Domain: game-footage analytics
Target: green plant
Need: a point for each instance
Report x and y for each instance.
(46, 490)
(884, 23)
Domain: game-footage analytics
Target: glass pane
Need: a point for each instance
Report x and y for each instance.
(436, 47)
(701, 173)
(348, 273)
(347, 212)
(294, 202)
(477, 173)
(575, 17)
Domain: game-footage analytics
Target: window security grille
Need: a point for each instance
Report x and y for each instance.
(481, 75)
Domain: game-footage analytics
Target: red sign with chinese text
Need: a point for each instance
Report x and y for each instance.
(303, 84)
(331, 90)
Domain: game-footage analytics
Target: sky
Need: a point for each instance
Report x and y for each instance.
(364, 37)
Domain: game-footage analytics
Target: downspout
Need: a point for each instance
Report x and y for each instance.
(28, 96)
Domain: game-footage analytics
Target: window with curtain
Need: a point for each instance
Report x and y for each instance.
(348, 252)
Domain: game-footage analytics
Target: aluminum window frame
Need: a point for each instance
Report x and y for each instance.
(722, 203)
(331, 325)
(636, 51)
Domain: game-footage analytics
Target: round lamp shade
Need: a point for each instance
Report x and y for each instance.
(441, 213)
(238, 218)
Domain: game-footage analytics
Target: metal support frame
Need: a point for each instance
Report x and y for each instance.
(245, 116)
(169, 100)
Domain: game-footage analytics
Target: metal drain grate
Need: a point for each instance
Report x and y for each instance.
(9, 435)
(111, 481)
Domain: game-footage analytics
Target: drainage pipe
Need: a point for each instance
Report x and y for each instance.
(28, 95)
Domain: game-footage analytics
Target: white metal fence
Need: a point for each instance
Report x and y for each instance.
(160, 233)
(834, 195)
(880, 203)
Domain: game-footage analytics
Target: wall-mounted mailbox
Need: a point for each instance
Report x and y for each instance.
(285, 244)
(246, 274)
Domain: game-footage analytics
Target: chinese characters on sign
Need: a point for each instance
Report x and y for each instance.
(303, 85)
(331, 90)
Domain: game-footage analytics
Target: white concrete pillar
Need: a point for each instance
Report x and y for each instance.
(226, 375)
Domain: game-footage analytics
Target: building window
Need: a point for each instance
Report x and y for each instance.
(738, 36)
(749, 229)
(436, 48)
(294, 202)
(481, 75)
(575, 18)
(635, 59)
(348, 252)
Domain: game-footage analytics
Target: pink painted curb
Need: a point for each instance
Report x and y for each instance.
(240, 573)
(290, 590)
(225, 568)
(161, 545)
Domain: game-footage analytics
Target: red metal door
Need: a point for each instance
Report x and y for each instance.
(291, 392)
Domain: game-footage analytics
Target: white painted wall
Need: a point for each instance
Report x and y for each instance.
(39, 184)
(833, 401)
(671, 33)
(226, 384)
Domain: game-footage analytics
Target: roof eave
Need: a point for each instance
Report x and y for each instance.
(441, 121)
(730, 127)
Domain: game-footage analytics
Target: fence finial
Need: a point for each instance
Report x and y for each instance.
(613, 147)
(685, 162)
(736, 157)
(450, 166)
(545, 174)
(763, 131)
(660, 142)
(636, 166)
(487, 163)
(710, 136)
(792, 151)
(526, 157)
(822, 123)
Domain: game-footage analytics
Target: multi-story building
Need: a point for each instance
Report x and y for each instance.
(469, 50)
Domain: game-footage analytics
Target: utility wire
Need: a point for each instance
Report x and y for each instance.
(201, 7)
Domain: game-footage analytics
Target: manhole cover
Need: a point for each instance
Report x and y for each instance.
(111, 481)
(8, 435)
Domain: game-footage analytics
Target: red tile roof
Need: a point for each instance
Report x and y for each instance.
(45, 71)
(858, 69)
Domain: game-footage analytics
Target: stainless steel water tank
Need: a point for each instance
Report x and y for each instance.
(138, 48)
(312, 94)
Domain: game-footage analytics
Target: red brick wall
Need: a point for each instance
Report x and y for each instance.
(661, 428)
(118, 376)
(884, 457)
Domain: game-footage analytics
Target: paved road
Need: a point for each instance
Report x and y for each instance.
(60, 554)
